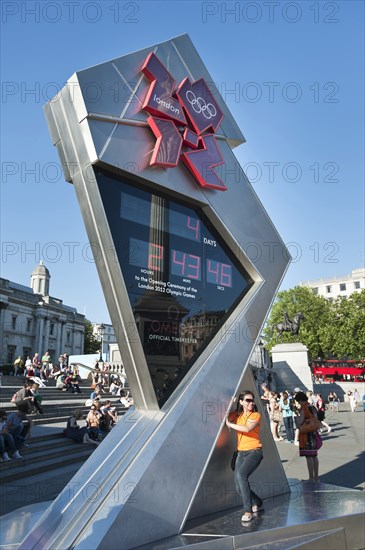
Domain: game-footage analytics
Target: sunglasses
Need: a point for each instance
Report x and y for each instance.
(249, 400)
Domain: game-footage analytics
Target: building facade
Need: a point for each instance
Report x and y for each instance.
(334, 287)
(33, 321)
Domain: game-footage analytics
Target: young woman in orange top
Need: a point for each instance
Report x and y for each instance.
(246, 422)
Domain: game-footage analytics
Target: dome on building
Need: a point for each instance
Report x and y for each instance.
(41, 270)
(39, 280)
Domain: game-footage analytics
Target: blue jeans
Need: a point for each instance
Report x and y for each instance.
(20, 433)
(7, 441)
(246, 464)
(289, 427)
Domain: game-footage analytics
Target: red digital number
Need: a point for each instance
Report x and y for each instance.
(189, 265)
(177, 262)
(195, 228)
(226, 275)
(195, 266)
(214, 271)
(155, 257)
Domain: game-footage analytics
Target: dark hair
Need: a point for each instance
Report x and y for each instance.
(241, 396)
(301, 397)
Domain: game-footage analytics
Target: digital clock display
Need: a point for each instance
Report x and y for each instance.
(184, 264)
(181, 278)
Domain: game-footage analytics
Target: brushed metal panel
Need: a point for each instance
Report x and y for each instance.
(52, 126)
(79, 143)
(103, 90)
(101, 133)
(61, 122)
(67, 169)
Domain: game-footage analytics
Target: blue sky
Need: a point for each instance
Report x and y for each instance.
(292, 74)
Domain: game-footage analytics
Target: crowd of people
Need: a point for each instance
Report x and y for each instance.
(99, 419)
(283, 411)
(102, 415)
(39, 367)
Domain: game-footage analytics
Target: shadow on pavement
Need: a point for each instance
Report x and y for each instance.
(351, 474)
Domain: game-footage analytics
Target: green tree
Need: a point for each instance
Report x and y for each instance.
(314, 327)
(346, 336)
(91, 344)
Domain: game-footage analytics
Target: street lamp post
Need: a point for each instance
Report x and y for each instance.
(261, 348)
(101, 330)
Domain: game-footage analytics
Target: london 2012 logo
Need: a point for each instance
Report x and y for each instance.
(200, 105)
(183, 116)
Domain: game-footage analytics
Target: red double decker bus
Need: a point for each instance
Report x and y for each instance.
(339, 370)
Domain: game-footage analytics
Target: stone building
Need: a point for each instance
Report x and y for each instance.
(33, 321)
(333, 287)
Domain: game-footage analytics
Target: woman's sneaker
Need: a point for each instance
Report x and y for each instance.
(256, 508)
(6, 457)
(17, 455)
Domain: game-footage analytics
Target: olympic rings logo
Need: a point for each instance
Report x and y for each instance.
(199, 105)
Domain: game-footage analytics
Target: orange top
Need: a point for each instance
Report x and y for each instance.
(251, 440)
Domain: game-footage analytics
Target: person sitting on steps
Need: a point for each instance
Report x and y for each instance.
(7, 442)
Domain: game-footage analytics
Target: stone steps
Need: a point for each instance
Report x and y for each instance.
(57, 405)
(59, 413)
(43, 456)
(45, 486)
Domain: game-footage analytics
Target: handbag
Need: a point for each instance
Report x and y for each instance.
(310, 425)
(319, 441)
(233, 460)
(275, 416)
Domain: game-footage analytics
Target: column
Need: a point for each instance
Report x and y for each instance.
(46, 335)
(40, 315)
(59, 340)
(3, 306)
